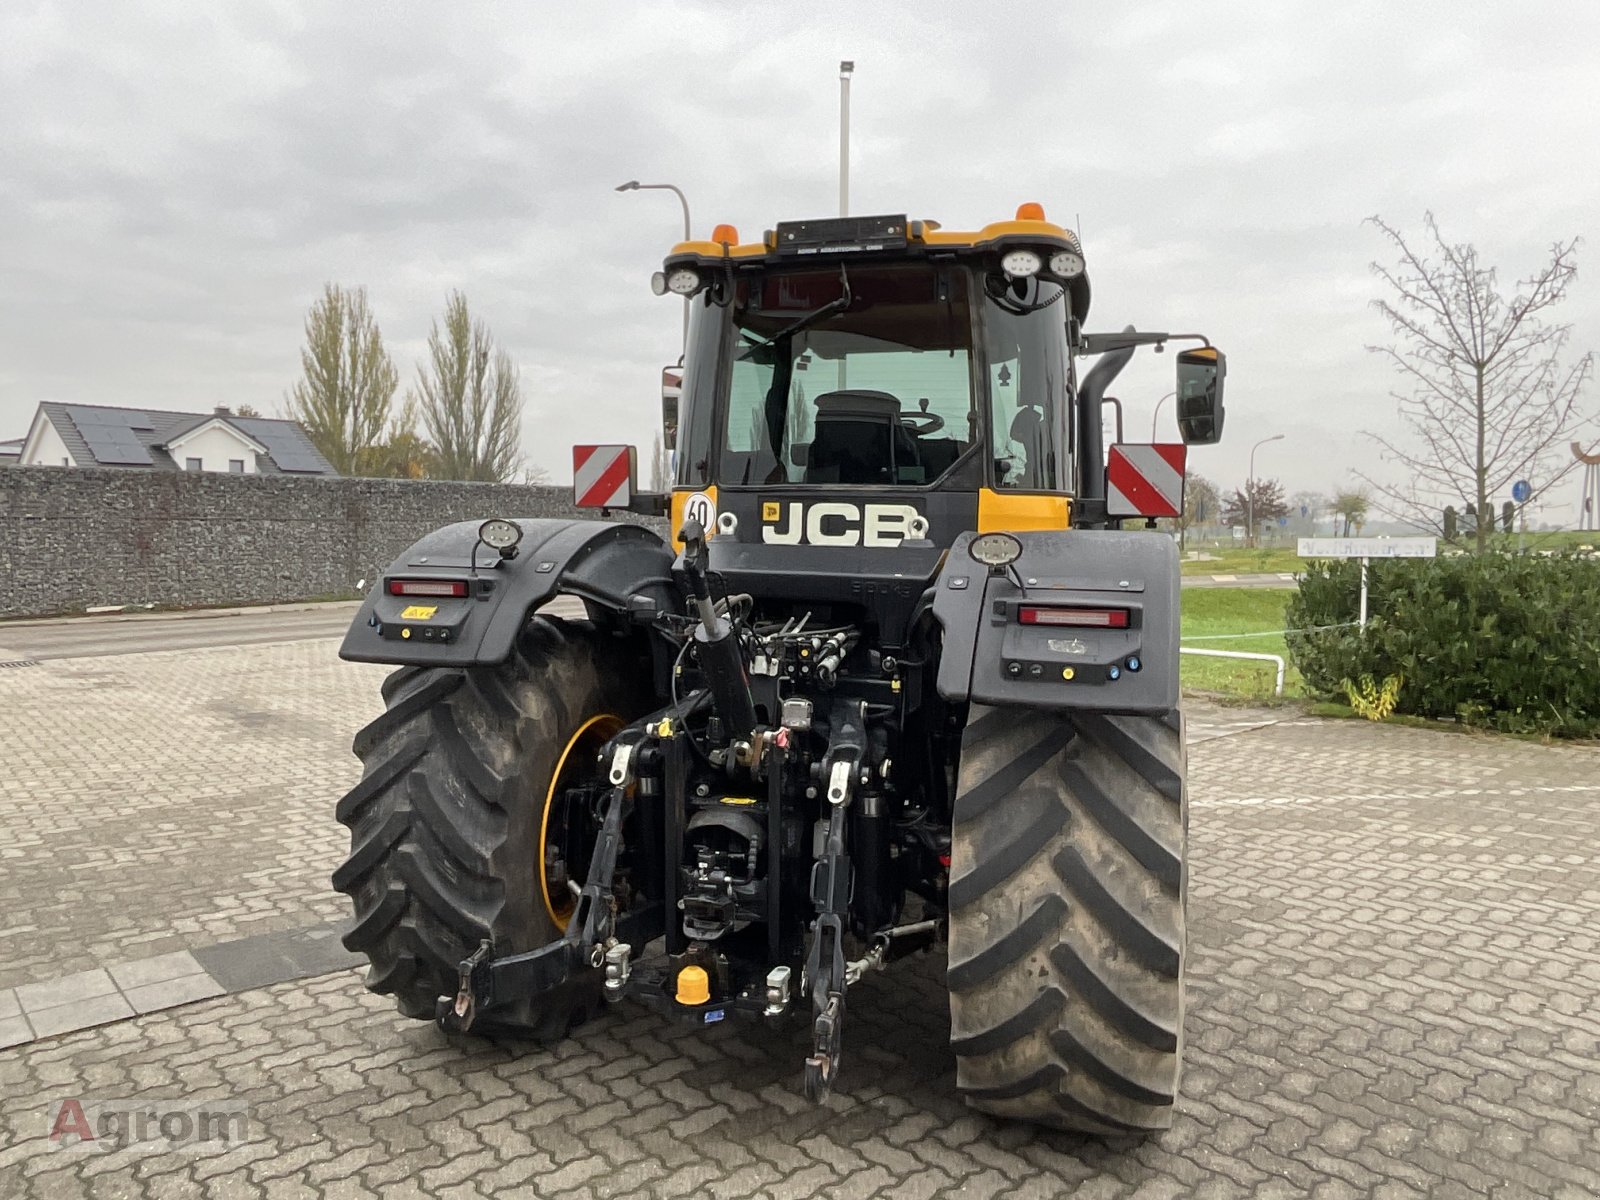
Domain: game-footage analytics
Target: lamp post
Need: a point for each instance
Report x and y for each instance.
(1157, 415)
(1250, 483)
(633, 185)
(846, 69)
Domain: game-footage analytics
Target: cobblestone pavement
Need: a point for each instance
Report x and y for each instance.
(1393, 964)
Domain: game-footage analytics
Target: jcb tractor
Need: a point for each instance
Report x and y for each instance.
(894, 677)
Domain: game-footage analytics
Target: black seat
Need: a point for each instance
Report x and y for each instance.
(858, 439)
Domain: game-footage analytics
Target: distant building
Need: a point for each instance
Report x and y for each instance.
(87, 435)
(11, 451)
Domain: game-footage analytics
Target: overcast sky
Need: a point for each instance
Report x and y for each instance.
(178, 180)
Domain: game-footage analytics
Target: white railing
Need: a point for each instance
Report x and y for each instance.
(1271, 658)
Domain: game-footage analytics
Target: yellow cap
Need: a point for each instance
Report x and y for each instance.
(693, 986)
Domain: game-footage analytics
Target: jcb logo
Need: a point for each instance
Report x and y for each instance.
(836, 523)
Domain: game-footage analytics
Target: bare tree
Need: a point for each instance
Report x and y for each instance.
(470, 398)
(1488, 400)
(1201, 505)
(658, 465)
(343, 397)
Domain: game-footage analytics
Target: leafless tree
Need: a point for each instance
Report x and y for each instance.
(343, 397)
(470, 397)
(1201, 505)
(1487, 400)
(658, 465)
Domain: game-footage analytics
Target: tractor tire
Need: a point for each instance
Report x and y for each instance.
(1068, 892)
(446, 823)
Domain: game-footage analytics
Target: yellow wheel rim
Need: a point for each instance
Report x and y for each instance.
(592, 734)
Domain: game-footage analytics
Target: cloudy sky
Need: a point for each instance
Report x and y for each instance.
(177, 180)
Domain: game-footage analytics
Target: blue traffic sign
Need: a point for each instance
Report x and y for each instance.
(1521, 490)
(1282, 521)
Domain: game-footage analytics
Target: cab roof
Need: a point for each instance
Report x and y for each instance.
(836, 239)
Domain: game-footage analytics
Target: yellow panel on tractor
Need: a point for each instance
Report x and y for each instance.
(1013, 512)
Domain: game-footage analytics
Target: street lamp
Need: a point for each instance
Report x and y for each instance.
(1157, 415)
(633, 185)
(846, 69)
(1250, 483)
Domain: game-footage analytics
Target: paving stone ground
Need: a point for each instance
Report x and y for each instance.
(1393, 968)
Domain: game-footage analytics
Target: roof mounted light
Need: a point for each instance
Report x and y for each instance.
(995, 549)
(683, 282)
(1066, 264)
(1019, 264)
(1030, 212)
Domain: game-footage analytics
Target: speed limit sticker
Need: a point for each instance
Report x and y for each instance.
(701, 508)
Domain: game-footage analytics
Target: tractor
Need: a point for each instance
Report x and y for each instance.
(881, 673)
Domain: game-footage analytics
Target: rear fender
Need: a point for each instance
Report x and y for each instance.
(991, 657)
(622, 567)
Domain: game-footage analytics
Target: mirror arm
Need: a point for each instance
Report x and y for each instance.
(1101, 343)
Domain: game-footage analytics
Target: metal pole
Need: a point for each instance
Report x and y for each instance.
(1363, 591)
(1250, 500)
(1157, 416)
(845, 70)
(1250, 487)
(633, 185)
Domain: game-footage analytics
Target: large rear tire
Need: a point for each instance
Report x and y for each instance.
(1067, 903)
(445, 825)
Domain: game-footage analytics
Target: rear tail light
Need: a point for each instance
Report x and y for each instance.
(1093, 618)
(427, 587)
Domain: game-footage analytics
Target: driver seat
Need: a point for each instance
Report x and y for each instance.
(858, 439)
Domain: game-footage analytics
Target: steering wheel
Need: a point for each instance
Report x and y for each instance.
(921, 424)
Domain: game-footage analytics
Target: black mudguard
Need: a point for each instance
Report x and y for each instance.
(991, 657)
(621, 567)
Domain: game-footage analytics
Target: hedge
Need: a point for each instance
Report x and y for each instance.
(1511, 642)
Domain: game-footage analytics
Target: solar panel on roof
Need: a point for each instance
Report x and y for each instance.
(288, 446)
(115, 446)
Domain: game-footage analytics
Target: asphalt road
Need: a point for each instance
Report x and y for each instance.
(94, 637)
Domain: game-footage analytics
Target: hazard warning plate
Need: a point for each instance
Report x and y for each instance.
(602, 476)
(1145, 480)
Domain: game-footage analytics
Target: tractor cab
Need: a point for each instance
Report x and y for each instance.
(856, 361)
(867, 384)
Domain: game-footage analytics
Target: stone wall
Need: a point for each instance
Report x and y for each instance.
(71, 538)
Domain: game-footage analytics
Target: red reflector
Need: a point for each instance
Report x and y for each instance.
(1098, 618)
(944, 860)
(427, 587)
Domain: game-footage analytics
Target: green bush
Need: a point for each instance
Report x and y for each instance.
(1511, 642)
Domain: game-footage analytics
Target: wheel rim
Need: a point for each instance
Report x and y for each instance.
(576, 757)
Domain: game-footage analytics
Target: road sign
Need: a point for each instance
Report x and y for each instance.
(1145, 480)
(1365, 548)
(1282, 521)
(1305, 510)
(1369, 547)
(602, 476)
(1521, 491)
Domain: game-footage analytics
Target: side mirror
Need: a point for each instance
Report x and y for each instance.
(604, 476)
(1200, 412)
(671, 389)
